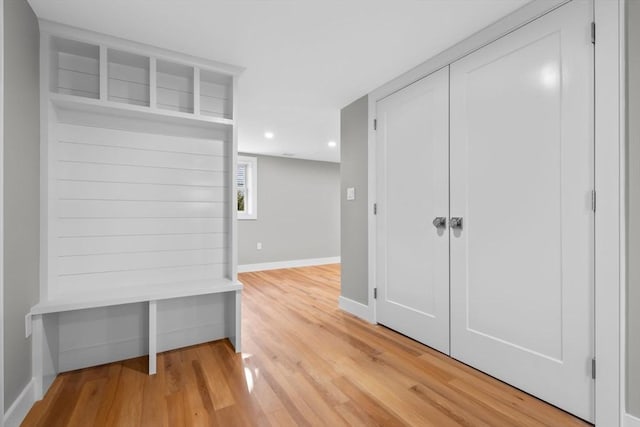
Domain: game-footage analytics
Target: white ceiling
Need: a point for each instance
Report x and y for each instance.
(304, 59)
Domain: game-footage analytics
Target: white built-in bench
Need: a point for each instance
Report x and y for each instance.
(46, 333)
(138, 202)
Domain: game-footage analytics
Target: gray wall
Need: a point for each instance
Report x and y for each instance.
(21, 188)
(298, 212)
(353, 213)
(633, 207)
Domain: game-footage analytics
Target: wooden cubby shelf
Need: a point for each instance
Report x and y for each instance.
(75, 68)
(174, 87)
(216, 95)
(128, 78)
(118, 78)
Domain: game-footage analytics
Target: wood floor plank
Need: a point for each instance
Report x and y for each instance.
(153, 413)
(132, 378)
(305, 363)
(86, 409)
(37, 414)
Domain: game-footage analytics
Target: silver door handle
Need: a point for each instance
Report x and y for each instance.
(440, 222)
(456, 222)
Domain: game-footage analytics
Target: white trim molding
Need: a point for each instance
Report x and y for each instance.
(356, 308)
(631, 421)
(609, 219)
(21, 406)
(277, 265)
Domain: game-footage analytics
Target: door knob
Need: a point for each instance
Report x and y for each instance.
(440, 222)
(456, 222)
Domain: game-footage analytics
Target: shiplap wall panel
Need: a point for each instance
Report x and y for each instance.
(103, 244)
(86, 152)
(216, 90)
(188, 321)
(91, 227)
(101, 335)
(128, 84)
(133, 191)
(175, 92)
(79, 84)
(130, 261)
(143, 141)
(78, 75)
(112, 280)
(137, 209)
(215, 99)
(73, 171)
(175, 100)
(128, 92)
(107, 334)
(215, 107)
(78, 63)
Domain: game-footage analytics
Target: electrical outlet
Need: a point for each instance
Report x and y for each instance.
(259, 246)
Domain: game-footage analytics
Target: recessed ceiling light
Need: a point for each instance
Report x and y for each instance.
(269, 135)
(332, 144)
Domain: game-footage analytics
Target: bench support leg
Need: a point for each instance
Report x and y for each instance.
(44, 352)
(153, 343)
(234, 313)
(37, 344)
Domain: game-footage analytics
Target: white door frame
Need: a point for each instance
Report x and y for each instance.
(609, 181)
(610, 226)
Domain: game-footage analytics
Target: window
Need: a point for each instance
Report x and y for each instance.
(247, 187)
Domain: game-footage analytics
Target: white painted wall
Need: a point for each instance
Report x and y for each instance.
(298, 212)
(353, 213)
(21, 189)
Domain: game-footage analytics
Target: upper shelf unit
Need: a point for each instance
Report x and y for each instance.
(117, 78)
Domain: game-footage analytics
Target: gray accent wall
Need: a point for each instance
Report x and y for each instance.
(298, 212)
(21, 189)
(633, 208)
(353, 213)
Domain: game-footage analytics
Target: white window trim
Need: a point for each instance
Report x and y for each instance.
(252, 187)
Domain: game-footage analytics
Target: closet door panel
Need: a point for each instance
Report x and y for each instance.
(413, 265)
(521, 178)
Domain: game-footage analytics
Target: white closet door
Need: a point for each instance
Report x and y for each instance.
(413, 254)
(522, 173)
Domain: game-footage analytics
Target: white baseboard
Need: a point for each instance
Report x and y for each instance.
(356, 308)
(247, 268)
(631, 421)
(21, 406)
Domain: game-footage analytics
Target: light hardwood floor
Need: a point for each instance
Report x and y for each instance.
(305, 362)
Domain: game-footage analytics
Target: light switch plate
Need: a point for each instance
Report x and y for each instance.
(351, 193)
